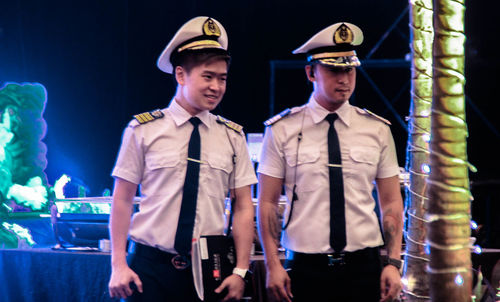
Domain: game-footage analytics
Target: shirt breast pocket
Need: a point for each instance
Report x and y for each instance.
(161, 159)
(361, 166)
(364, 156)
(162, 167)
(304, 169)
(219, 168)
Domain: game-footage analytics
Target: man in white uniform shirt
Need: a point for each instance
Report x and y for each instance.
(155, 154)
(328, 153)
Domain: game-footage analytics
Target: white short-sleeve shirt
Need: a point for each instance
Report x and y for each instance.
(154, 156)
(368, 152)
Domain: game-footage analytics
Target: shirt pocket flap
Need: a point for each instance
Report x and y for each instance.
(367, 155)
(309, 155)
(157, 160)
(220, 162)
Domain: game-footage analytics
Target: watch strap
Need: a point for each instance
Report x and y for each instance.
(242, 272)
(394, 262)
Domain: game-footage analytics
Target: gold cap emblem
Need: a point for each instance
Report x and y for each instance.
(210, 28)
(343, 34)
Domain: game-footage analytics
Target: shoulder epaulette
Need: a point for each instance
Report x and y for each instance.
(230, 124)
(283, 113)
(277, 117)
(376, 116)
(149, 116)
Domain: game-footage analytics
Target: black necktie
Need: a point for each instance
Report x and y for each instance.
(337, 212)
(184, 234)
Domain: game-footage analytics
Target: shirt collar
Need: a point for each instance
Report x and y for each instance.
(181, 116)
(318, 112)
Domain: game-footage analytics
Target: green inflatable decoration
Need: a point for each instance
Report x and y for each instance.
(23, 183)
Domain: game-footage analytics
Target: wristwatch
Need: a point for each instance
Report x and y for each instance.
(242, 272)
(394, 262)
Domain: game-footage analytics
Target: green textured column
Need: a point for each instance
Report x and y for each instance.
(449, 195)
(415, 278)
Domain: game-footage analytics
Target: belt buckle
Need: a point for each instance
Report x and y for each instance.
(336, 259)
(180, 262)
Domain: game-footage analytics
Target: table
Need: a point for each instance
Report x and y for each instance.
(52, 275)
(44, 274)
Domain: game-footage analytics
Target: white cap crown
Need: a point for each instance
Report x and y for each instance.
(334, 45)
(198, 33)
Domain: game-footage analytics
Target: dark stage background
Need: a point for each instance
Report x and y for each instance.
(97, 60)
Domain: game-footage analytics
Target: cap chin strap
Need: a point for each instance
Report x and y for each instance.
(200, 44)
(338, 59)
(352, 61)
(328, 55)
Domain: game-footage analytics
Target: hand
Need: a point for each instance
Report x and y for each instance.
(119, 284)
(279, 284)
(235, 286)
(390, 284)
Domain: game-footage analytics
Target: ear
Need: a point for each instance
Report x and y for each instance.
(180, 74)
(310, 73)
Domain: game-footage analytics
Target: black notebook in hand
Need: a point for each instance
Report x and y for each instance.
(218, 258)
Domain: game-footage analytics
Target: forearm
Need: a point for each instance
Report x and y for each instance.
(121, 212)
(269, 231)
(243, 226)
(119, 226)
(393, 231)
(392, 215)
(269, 226)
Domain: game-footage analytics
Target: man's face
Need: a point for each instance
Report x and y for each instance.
(332, 85)
(203, 87)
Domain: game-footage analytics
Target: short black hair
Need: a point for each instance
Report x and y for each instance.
(188, 59)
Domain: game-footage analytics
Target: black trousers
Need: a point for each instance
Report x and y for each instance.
(318, 277)
(161, 281)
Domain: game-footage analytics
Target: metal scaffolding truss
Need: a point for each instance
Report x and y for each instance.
(366, 64)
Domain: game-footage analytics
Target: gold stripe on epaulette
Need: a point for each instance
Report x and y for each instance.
(139, 118)
(230, 124)
(145, 117)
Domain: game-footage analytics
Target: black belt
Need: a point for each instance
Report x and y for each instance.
(178, 261)
(332, 259)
